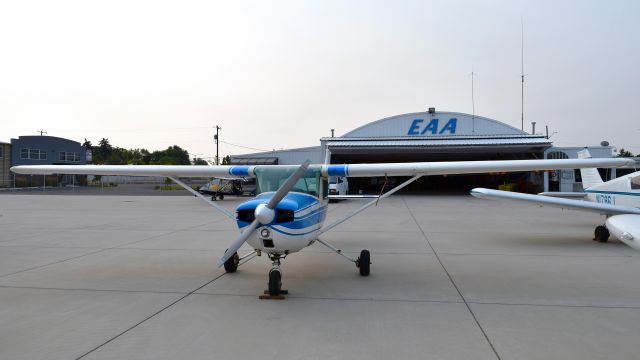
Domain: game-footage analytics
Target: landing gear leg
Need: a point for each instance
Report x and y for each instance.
(601, 234)
(275, 291)
(363, 262)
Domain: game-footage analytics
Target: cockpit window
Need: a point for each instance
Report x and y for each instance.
(271, 178)
(635, 183)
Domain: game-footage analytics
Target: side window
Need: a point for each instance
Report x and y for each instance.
(635, 183)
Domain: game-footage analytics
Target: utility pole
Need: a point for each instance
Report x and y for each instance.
(473, 104)
(522, 73)
(215, 138)
(41, 132)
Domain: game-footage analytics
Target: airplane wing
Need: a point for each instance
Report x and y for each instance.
(222, 171)
(351, 170)
(572, 204)
(467, 167)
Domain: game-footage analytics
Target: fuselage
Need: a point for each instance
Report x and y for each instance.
(298, 218)
(622, 191)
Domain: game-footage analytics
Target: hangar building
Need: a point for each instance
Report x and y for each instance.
(428, 136)
(5, 164)
(45, 150)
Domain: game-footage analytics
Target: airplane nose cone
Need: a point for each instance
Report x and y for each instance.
(264, 215)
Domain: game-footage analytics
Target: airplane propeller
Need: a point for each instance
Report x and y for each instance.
(265, 213)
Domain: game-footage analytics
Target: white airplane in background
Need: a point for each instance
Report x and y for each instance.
(290, 206)
(617, 199)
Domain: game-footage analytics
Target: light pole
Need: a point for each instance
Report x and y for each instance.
(215, 138)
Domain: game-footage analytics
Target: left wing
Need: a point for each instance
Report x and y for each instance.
(226, 171)
(573, 204)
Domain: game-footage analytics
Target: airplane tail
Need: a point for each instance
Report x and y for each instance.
(590, 177)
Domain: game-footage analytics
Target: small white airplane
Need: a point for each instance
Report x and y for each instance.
(617, 199)
(290, 206)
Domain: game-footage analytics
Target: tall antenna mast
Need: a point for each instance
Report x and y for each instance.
(473, 104)
(522, 73)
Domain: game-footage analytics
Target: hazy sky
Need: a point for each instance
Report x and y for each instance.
(280, 74)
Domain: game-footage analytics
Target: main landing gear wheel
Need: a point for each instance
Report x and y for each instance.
(364, 262)
(601, 234)
(221, 196)
(231, 265)
(275, 282)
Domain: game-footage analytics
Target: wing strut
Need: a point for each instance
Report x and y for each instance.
(367, 205)
(204, 198)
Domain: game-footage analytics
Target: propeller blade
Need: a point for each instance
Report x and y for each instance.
(288, 185)
(238, 242)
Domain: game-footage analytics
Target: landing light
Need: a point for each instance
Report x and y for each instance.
(626, 236)
(265, 233)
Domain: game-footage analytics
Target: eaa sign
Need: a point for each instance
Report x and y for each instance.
(420, 127)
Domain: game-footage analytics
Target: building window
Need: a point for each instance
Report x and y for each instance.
(33, 154)
(69, 156)
(557, 155)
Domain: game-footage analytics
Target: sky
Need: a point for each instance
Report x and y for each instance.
(281, 74)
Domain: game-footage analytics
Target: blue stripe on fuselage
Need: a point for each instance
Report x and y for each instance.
(612, 192)
(315, 217)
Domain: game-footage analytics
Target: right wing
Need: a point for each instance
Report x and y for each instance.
(581, 205)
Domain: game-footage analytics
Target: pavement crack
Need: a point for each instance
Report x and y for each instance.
(435, 253)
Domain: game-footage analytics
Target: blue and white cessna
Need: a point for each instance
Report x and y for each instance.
(617, 199)
(290, 208)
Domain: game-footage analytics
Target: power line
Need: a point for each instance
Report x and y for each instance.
(243, 146)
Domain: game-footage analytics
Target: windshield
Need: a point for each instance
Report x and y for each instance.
(271, 178)
(635, 183)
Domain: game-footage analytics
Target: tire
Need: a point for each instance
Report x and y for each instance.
(221, 196)
(231, 265)
(364, 262)
(601, 234)
(275, 282)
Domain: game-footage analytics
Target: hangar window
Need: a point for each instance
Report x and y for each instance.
(635, 183)
(33, 154)
(69, 156)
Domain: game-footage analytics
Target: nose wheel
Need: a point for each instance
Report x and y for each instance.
(275, 291)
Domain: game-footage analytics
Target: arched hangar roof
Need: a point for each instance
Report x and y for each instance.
(437, 124)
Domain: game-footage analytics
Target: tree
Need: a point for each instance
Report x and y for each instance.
(87, 144)
(104, 148)
(226, 160)
(199, 161)
(173, 155)
(624, 153)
